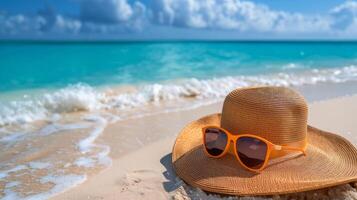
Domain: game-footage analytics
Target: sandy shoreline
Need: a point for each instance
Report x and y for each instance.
(144, 170)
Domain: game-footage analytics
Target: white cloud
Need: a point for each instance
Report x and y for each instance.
(298, 23)
(96, 16)
(344, 18)
(66, 25)
(14, 24)
(105, 11)
(234, 14)
(22, 24)
(113, 16)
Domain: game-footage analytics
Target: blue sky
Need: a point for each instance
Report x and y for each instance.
(178, 19)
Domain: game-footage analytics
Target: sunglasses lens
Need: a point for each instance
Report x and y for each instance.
(252, 152)
(215, 141)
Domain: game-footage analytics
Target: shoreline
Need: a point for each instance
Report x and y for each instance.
(145, 170)
(30, 105)
(126, 132)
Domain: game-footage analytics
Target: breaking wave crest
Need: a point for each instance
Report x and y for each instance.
(82, 97)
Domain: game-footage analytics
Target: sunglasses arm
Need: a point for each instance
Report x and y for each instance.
(287, 148)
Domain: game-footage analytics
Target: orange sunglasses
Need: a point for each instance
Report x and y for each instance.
(252, 152)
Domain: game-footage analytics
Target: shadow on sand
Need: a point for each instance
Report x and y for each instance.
(171, 182)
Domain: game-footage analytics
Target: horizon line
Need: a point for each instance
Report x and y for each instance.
(170, 40)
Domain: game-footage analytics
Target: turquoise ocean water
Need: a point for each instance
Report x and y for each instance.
(39, 79)
(29, 65)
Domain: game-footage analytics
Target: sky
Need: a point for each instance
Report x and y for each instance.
(178, 19)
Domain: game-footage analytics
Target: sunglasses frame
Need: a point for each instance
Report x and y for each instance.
(234, 138)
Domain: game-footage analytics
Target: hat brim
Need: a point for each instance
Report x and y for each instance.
(330, 160)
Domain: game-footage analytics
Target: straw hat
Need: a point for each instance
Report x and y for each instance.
(279, 115)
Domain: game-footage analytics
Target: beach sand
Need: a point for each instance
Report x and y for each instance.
(141, 152)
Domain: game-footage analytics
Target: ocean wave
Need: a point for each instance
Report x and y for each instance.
(82, 97)
(79, 97)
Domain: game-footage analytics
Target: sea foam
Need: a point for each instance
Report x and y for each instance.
(79, 97)
(82, 97)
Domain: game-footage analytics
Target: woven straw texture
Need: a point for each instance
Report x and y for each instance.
(331, 160)
(277, 114)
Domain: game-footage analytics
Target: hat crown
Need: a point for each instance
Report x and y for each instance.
(277, 114)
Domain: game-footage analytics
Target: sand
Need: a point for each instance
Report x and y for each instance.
(141, 152)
